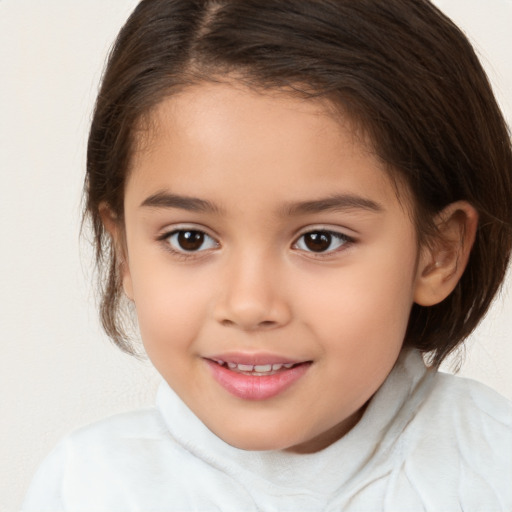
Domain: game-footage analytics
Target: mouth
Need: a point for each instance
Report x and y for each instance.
(252, 378)
(256, 370)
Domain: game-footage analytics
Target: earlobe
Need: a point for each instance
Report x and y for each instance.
(442, 263)
(113, 225)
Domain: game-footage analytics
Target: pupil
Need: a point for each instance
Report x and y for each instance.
(317, 242)
(190, 240)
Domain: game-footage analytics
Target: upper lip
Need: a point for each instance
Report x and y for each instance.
(253, 359)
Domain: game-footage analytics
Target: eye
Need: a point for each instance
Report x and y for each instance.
(321, 241)
(190, 240)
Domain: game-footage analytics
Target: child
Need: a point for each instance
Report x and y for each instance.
(300, 199)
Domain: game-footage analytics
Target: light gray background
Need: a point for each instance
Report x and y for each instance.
(57, 369)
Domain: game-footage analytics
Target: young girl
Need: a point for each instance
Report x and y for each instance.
(299, 199)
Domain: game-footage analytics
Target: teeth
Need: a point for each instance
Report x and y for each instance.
(263, 368)
(258, 368)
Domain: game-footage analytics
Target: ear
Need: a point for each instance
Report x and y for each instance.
(115, 228)
(442, 262)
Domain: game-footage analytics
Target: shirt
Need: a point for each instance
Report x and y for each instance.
(427, 441)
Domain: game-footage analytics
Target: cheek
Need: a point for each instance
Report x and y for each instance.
(360, 325)
(170, 305)
(363, 305)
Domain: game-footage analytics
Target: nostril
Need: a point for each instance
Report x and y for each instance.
(261, 325)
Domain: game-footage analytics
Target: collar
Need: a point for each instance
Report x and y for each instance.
(361, 453)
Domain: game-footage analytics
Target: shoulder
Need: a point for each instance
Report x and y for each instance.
(472, 419)
(460, 438)
(82, 463)
(142, 423)
(462, 399)
(114, 435)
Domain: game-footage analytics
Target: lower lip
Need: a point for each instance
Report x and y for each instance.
(250, 387)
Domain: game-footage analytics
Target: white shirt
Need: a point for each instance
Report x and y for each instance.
(426, 442)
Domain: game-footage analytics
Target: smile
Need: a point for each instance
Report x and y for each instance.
(256, 369)
(256, 381)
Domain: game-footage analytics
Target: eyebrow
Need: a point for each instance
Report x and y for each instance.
(338, 202)
(168, 200)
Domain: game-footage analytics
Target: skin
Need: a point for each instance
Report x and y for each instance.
(254, 285)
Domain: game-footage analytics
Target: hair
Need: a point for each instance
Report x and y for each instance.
(400, 69)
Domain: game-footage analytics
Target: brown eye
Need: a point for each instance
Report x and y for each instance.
(321, 241)
(317, 242)
(190, 240)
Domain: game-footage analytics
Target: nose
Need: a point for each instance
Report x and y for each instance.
(253, 295)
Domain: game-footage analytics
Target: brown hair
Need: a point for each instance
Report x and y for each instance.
(400, 68)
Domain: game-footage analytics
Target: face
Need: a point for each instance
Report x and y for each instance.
(271, 264)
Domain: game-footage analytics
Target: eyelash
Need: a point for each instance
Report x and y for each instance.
(328, 236)
(183, 253)
(324, 235)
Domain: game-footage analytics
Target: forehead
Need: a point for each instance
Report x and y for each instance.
(226, 134)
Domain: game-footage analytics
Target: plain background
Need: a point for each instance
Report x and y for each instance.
(57, 369)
